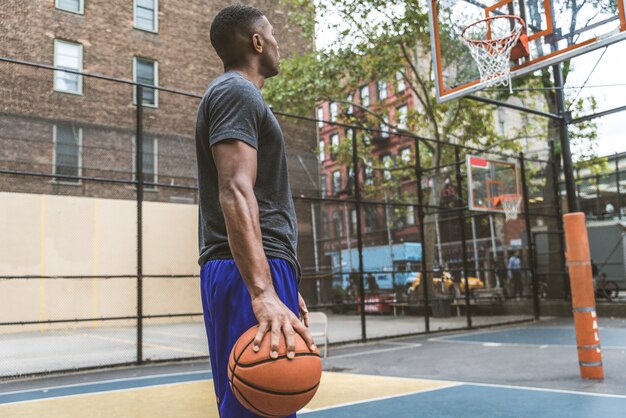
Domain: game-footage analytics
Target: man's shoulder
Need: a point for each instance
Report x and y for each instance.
(231, 84)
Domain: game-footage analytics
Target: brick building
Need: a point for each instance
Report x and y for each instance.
(55, 124)
(385, 172)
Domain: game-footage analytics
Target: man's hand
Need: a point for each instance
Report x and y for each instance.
(274, 317)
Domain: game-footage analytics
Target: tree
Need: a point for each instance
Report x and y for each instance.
(378, 40)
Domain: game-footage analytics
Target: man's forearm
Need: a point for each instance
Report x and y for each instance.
(241, 213)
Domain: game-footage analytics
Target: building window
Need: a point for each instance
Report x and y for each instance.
(368, 175)
(333, 111)
(67, 155)
(405, 155)
(387, 162)
(353, 223)
(382, 90)
(401, 113)
(74, 6)
(336, 186)
(150, 162)
(322, 151)
(349, 134)
(337, 225)
(320, 117)
(371, 219)
(146, 15)
(350, 100)
(324, 224)
(334, 145)
(365, 95)
(323, 188)
(400, 83)
(384, 127)
(410, 215)
(69, 56)
(146, 72)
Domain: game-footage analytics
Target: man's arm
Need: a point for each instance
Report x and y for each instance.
(236, 164)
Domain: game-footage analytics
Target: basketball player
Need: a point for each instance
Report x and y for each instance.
(247, 225)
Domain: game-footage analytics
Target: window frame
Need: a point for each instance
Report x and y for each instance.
(400, 80)
(322, 153)
(335, 113)
(54, 61)
(79, 181)
(156, 161)
(402, 124)
(81, 10)
(350, 99)
(365, 87)
(320, 117)
(156, 18)
(378, 90)
(333, 184)
(333, 147)
(156, 81)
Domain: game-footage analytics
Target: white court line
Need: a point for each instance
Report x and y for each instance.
(382, 350)
(97, 382)
(569, 392)
(543, 346)
(76, 395)
(382, 398)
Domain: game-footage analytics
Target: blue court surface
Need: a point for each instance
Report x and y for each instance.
(610, 338)
(468, 400)
(517, 372)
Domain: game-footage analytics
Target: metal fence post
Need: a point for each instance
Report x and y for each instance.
(619, 197)
(461, 207)
(139, 184)
(420, 216)
(529, 239)
(359, 236)
(559, 217)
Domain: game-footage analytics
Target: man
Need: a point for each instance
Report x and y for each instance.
(515, 274)
(247, 224)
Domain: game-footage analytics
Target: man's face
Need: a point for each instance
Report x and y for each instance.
(270, 57)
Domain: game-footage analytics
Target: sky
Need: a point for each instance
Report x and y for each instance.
(607, 82)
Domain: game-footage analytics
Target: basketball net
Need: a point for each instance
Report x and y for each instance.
(490, 42)
(511, 203)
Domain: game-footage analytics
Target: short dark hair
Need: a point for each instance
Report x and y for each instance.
(229, 21)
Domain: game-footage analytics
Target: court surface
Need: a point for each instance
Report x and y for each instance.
(522, 371)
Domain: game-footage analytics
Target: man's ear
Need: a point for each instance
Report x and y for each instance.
(257, 43)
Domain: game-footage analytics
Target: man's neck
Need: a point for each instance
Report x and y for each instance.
(250, 73)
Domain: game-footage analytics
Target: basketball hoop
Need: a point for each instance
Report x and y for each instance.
(491, 42)
(511, 203)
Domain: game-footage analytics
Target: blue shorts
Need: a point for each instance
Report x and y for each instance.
(228, 314)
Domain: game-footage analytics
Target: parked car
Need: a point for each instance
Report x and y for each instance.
(443, 283)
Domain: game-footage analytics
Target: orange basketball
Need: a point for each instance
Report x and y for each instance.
(273, 388)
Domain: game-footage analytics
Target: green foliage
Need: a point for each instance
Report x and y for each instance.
(583, 137)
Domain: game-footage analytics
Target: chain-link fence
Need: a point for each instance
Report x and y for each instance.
(99, 244)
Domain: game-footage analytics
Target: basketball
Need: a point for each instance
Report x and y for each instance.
(273, 388)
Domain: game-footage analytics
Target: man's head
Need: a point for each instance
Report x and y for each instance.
(242, 35)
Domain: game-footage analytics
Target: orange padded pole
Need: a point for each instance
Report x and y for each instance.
(583, 297)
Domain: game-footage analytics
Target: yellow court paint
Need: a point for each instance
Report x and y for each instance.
(181, 400)
(42, 264)
(197, 399)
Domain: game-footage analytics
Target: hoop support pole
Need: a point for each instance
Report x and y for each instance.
(583, 297)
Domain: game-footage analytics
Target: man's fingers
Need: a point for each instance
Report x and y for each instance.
(256, 344)
(305, 334)
(305, 318)
(274, 340)
(290, 339)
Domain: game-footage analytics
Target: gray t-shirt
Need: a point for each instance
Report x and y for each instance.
(233, 108)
